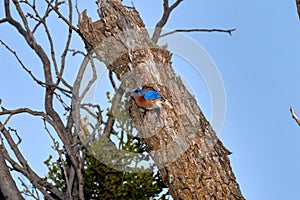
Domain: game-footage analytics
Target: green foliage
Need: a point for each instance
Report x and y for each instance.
(56, 172)
(106, 182)
(103, 182)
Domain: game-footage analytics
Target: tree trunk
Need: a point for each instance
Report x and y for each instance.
(193, 162)
(8, 188)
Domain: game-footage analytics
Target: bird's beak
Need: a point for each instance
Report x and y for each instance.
(128, 94)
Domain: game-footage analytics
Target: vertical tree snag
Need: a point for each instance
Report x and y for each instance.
(193, 162)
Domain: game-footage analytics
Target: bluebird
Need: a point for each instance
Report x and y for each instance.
(147, 99)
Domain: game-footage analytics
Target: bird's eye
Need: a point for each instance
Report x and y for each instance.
(136, 90)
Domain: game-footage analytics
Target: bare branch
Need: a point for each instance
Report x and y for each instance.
(56, 147)
(164, 19)
(3, 20)
(166, 5)
(30, 72)
(31, 16)
(16, 133)
(25, 169)
(76, 7)
(75, 52)
(23, 17)
(27, 191)
(65, 52)
(58, 97)
(91, 81)
(22, 110)
(112, 80)
(85, 107)
(294, 116)
(21, 63)
(51, 114)
(42, 20)
(46, 14)
(175, 4)
(69, 23)
(50, 40)
(33, 113)
(58, 125)
(53, 124)
(229, 31)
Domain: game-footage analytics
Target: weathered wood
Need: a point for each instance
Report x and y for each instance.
(193, 162)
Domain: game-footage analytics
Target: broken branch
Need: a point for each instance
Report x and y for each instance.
(229, 31)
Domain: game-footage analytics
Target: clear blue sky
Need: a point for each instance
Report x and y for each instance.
(260, 68)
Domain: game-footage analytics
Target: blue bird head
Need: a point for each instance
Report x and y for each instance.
(136, 92)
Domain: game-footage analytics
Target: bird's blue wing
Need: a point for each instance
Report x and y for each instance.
(151, 94)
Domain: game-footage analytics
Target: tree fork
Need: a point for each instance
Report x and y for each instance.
(193, 162)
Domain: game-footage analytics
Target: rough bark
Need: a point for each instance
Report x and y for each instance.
(9, 190)
(193, 162)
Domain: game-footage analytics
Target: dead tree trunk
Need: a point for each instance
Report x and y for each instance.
(192, 160)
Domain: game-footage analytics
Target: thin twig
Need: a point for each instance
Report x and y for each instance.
(58, 97)
(46, 14)
(76, 8)
(56, 147)
(229, 31)
(98, 115)
(65, 52)
(112, 81)
(42, 20)
(55, 8)
(22, 110)
(91, 81)
(33, 113)
(16, 133)
(27, 191)
(75, 52)
(43, 84)
(294, 115)
(31, 16)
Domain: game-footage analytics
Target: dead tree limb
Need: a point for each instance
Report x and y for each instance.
(229, 31)
(294, 116)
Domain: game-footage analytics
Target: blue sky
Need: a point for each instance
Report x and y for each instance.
(259, 65)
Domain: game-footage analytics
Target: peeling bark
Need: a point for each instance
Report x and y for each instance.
(193, 162)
